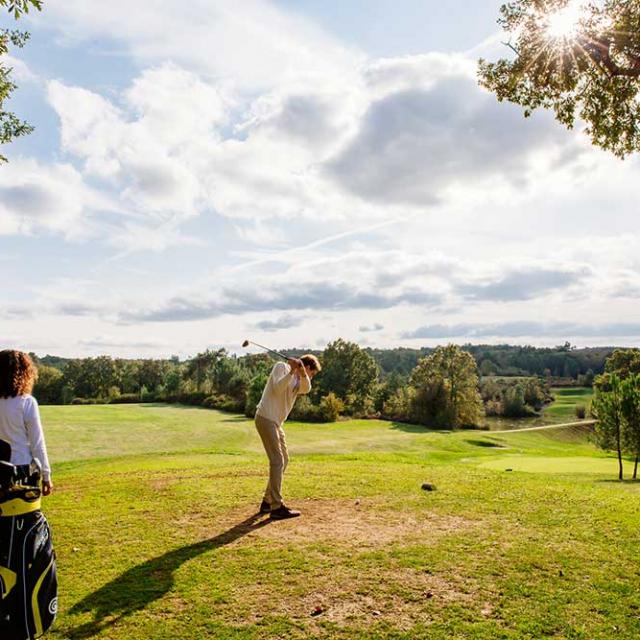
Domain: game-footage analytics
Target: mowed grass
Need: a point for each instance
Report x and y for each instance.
(157, 537)
(563, 408)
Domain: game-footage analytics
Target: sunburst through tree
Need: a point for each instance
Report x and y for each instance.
(579, 58)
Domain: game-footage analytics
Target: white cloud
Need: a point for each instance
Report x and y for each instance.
(414, 132)
(360, 281)
(252, 43)
(416, 145)
(526, 329)
(36, 197)
(21, 72)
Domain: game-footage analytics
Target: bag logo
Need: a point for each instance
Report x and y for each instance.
(53, 607)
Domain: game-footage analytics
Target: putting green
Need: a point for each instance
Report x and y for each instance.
(552, 464)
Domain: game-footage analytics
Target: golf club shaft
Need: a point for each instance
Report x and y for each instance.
(277, 353)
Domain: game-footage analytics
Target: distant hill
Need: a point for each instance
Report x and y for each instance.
(563, 361)
(508, 360)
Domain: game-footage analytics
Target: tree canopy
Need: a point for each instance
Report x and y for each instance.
(580, 58)
(10, 125)
(446, 384)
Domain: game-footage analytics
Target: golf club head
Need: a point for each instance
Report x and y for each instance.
(245, 343)
(35, 472)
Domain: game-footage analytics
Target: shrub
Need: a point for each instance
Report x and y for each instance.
(194, 398)
(359, 406)
(223, 403)
(398, 406)
(493, 408)
(114, 392)
(305, 411)
(84, 401)
(254, 393)
(126, 398)
(331, 407)
(147, 396)
(513, 404)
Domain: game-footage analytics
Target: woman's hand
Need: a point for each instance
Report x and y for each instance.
(47, 487)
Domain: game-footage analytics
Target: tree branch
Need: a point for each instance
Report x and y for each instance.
(599, 50)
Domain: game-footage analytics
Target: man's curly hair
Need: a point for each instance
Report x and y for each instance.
(18, 374)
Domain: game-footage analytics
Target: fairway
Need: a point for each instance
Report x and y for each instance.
(557, 464)
(157, 537)
(566, 401)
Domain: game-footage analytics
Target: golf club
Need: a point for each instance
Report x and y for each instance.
(246, 343)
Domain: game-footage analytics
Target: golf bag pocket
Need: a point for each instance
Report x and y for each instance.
(28, 580)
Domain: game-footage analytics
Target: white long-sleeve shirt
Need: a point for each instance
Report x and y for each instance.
(281, 391)
(20, 426)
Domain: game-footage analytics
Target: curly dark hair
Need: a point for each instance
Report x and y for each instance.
(18, 374)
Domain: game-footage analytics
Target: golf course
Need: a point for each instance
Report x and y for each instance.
(524, 535)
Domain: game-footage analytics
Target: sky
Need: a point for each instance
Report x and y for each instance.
(294, 171)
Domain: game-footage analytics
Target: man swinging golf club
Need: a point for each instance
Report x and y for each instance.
(286, 382)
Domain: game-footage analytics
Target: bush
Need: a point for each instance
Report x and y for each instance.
(114, 392)
(581, 411)
(398, 406)
(126, 398)
(223, 403)
(147, 396)
(330, 407)
(513, 404)
(493, 408)
(254, 393)
(359, 406)
(194, 398)
(83, 401)
(305, 411)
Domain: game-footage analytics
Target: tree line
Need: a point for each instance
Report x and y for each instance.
(563, 364)
(443, 389)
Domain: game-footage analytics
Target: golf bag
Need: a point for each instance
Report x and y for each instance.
(28, 581)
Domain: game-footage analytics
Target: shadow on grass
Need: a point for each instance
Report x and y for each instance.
(635, 481)
(486, 443)
(416, 428)
(232, 417)
(164, 405)
(141, 585)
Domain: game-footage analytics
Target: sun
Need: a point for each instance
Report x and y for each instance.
(564, 23)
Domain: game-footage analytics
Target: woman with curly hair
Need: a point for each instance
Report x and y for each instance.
(20, 424)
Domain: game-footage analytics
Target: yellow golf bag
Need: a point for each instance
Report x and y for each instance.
(28, 581)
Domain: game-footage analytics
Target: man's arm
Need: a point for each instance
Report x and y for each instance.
(305, 383)
(281, 375)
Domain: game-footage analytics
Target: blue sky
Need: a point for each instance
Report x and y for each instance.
(294, 172)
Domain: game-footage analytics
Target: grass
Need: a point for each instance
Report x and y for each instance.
(156, 533)
(563, 409)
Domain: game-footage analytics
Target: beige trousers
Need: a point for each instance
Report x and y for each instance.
(275, 445)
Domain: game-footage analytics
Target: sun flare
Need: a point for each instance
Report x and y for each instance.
(565, 22)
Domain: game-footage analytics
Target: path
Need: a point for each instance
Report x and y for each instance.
(549, 426)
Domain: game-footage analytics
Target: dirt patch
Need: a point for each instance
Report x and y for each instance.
(341, 590)
(343, 596)
(363, 524)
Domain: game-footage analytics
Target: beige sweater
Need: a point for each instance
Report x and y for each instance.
(281, 391)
